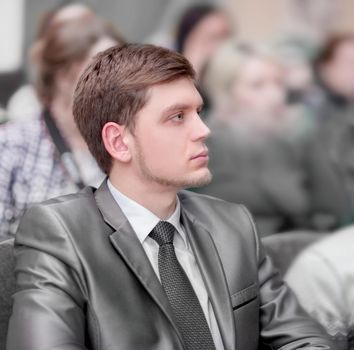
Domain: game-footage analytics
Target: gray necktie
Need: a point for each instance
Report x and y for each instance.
(185, 304)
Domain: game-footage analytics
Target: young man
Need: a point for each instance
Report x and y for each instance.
(137, 264)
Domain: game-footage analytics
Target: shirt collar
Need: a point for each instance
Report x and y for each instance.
(143, 220)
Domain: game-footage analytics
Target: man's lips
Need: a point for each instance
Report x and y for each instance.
(203, 154)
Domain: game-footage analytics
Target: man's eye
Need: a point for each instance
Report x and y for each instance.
(178, 117)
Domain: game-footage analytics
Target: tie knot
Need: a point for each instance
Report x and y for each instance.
(163, 233)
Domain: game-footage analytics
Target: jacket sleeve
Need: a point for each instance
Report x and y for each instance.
(283, 323)
(49, 303)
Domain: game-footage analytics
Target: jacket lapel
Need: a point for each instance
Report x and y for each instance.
(127, 244)
(213, 275)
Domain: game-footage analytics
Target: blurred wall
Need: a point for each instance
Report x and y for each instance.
(256, 20)
(347, 20)
(134, 18)
(11, 45)
(138, 20)
(261, 19)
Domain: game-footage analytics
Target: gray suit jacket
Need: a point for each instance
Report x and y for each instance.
(85, 282)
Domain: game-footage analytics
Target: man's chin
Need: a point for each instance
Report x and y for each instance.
(200, 181)
(197, 180)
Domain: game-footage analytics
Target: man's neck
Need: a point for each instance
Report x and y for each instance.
(158, 199)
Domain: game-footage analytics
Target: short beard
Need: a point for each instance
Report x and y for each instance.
(174, 183)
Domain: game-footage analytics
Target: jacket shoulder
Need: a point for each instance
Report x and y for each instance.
(65, 206)
(69, 200)
(187, 195)
(197, 203)
(225, 220)
(47, 226)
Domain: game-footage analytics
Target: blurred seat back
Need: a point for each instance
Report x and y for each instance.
(7, 286)
(9, 83)
(284, 247)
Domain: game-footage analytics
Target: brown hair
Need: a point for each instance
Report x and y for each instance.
(331, 47)
(114, 88)
(63, 44)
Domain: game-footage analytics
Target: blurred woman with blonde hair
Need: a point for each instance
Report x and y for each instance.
(262, 153)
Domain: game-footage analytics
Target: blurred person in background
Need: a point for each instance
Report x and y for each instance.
(335, 70)
(24, 103)
(335, 109)
(47, 156)
(322, 277)
(264, 154)
(201, 30)
(312, 21)
(296, 58)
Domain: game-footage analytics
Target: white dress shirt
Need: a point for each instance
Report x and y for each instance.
(143, 221)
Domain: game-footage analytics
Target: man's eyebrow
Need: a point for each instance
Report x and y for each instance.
(180, 106)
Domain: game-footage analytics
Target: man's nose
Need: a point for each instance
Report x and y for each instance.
(202, 130)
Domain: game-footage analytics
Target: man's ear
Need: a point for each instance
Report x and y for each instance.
(114, 140)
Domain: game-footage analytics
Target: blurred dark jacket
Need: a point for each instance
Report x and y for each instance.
(285, 179)
(335, 121)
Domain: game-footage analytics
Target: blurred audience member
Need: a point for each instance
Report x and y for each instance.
(312, 21)
(323, 279)
(296, 57)
(47, 156)
(335, 109)
(24, 103)
(202, 28)
(263, 154)
(335, 68)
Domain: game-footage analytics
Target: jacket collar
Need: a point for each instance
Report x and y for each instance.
(128, 246)
(211, 269)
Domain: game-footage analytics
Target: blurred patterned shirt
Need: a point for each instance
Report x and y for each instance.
(30, 171)
(322, 277)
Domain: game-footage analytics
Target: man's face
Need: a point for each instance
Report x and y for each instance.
(168, 140)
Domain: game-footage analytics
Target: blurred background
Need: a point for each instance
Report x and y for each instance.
(277, 78)
(141, 20)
